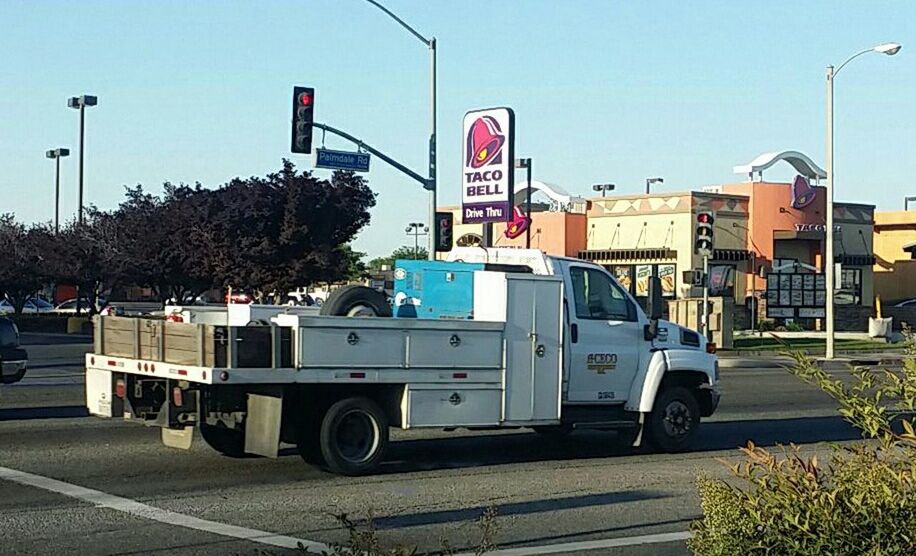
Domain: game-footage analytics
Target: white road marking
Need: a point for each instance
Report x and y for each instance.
(104, 500)
(132, 507)
(586, 546)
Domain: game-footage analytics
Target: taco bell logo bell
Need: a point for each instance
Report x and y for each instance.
(802, 193)
(486, 176)
(484, 143)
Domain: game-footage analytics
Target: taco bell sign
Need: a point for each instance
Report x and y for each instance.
(488, 161)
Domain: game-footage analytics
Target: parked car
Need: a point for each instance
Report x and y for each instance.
(907, 303)
(13, 359)
(68, 307)
(33, 305)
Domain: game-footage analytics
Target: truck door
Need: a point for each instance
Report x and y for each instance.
(605, 337)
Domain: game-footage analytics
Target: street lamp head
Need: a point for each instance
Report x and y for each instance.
(889, 48)
(51, 154)
(81, 101)
(655, 180)
(63, 152)
(604, 187)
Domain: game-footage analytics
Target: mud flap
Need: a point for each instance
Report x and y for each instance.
(262, 425)
(637, 442)
(178, 438)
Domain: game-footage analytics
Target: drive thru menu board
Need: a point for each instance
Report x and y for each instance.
(796, 295)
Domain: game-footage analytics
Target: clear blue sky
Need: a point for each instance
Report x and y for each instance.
(603, 91)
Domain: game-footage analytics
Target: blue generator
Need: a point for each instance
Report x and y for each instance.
(434, 289)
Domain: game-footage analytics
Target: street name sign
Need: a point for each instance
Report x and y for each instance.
(341, 160)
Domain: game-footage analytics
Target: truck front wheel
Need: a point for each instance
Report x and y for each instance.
(354, 436)
(674, 420)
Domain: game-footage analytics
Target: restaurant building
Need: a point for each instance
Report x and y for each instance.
(761, 228)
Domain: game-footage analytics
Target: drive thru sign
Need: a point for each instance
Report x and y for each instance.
(486, 173)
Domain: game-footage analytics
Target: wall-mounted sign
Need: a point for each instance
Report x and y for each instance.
(486, 173)
(802, 193)
(518, 224)
(815, 228)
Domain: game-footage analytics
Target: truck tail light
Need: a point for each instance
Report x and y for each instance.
(710, 347)
(175, 317)
(177, 396)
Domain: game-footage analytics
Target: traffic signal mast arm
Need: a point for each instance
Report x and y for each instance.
(425, 182)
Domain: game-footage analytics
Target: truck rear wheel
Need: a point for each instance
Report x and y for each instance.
(354, 436)
(226, 441)
(356, 301)
(674, 420)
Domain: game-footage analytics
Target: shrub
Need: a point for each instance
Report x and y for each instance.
(766, 326)
(794, 327)
(862, 502)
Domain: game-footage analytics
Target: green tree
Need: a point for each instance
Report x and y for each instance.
(402, 252)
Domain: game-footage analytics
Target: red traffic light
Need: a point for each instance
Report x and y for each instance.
(305, 99)
(704, 218)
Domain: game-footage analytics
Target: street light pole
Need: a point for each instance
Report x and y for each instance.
(57, 154)
(414, 229)
(80, 103)
(650, 181)
(829, 263)
(431, 182)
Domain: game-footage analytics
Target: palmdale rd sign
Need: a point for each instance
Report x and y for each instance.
(486, 174)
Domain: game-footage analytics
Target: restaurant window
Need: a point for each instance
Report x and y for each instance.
(635, 278)
(850, 291)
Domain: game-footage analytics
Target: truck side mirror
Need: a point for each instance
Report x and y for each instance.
(654, 303)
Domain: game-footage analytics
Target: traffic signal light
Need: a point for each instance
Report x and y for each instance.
(705, 240)
(303, 118)
(444, 228)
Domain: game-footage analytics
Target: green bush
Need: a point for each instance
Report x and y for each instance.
(862, 502)
(794, 327)
(766, 326)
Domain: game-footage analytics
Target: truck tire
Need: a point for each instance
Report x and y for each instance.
(354, 436)
(674, 420)
(226, 441)
(356, 301)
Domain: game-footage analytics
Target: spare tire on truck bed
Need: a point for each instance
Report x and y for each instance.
(356, 301)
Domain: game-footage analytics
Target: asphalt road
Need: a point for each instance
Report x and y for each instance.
(71, 484)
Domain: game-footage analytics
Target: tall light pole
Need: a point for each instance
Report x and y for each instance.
(416, 229)
(650, 181)
(80, 103)
(604, 188)
(57, 154)
(431, 183)
(890, 49)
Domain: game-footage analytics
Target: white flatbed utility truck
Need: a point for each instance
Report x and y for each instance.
(547, 342)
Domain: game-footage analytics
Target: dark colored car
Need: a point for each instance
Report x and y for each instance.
(13, 359)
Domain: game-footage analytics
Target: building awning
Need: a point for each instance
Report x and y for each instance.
(731, 255)
(855, 260)
(810, 235)
(625, 255)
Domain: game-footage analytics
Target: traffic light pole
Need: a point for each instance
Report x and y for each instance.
(385, 158)
(706, 298)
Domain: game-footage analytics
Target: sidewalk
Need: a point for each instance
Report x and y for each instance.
(744, 360)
